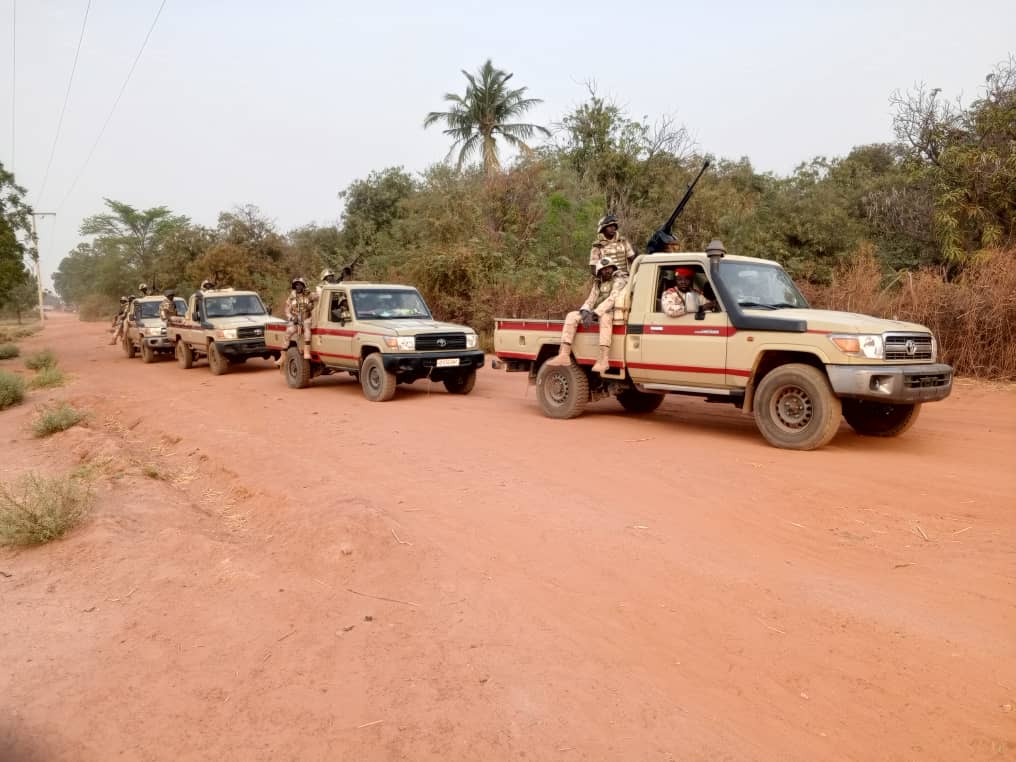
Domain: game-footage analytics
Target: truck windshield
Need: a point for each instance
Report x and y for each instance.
(374, 304)
(232, 306)
(758, 286)
(149, 310)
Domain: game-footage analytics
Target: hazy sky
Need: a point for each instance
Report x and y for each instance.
(281, 103)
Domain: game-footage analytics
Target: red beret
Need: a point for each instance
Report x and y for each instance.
(686, 272)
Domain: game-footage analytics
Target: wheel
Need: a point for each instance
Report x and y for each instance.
(147, 354)
(184, 355)
(634, 401)
(128, 347)
(377, 383)
(297, 369)
(563, 390)
(461, 383)
(879, 419)
(796, 409)
(216, 361)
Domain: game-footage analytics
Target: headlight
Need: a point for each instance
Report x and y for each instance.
(226, 333)
(934, 349)
(868, 345)
(470, 341)
(405, 343)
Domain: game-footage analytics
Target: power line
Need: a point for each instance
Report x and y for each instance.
(67, 95)
(119, 95)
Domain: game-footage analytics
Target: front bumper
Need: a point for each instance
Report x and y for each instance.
(423, 363)
(244, 348)
(161, 343)
(895, 384)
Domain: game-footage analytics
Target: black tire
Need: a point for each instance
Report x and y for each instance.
(377, 383)
(634, 401)
(216, 361)
(879, 419)
(461, 383)
(562, 390)
(184, 355)
(128, 347)
(147, 354)
(296, 369)
(795, 408)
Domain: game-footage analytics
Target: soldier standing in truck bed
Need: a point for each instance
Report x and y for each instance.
(610, 243)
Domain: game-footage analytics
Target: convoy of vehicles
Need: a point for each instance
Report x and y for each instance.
(145, 331)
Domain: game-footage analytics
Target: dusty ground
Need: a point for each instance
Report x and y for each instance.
(656, 588)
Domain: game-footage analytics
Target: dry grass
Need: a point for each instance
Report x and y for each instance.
(7, 351)
(36, 509)
(973, 317)
(42, 359)
(59, 417)
(12, 389)
(48, 378)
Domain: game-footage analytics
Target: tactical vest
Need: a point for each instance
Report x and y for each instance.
(301, 306)
(615, 249)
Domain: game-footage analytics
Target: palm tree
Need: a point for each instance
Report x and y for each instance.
(482, 114)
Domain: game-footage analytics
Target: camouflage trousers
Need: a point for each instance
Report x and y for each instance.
(121, 326)
(574, 318)
(294, 330)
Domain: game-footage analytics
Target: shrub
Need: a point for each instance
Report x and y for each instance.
(12, 389)
(47, 378)
(40, 360)
(37, 509)
(95, 308)
(7, 351)
(58, 418)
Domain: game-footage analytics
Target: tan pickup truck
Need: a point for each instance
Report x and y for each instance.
(145, 332)
(226, 326)
(797, 369)
(382, 334)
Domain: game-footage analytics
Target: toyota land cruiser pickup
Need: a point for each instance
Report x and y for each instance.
(797, 370)
(226, 326)
(145, 331)
(383, 335)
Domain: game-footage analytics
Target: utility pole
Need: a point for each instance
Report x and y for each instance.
(38, 261)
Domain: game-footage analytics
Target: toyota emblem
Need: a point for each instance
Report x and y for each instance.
(444, 343)
(911, 347)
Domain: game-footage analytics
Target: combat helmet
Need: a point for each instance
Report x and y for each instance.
(123, 299)
(326, 273)
(299, 280)
(606, 221)
(170, 293)
(604, 263)
(143, 288)
(207, 284)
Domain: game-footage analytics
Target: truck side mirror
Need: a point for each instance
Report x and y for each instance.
(701, 314)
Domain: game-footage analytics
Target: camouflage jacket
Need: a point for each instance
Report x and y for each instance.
(617, 249)
(299, 307)
(604, 294)
(675, 303)
(167, 309)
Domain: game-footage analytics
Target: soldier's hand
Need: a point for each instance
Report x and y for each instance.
(587, 317)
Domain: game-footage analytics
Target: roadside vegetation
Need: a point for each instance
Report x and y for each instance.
(36, 509)
(7, 351)
(56, 418)
(12, 389)
(49, 377)
(39, 360)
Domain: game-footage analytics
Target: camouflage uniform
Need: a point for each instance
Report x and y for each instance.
(676, 303)
(167, 309)
(617, 248)
(121, 322)
(299, 310)
(601, 300)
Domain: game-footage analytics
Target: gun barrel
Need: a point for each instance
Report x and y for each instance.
(684, 199)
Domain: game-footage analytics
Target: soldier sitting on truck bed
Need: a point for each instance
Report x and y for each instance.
(610, 281)
(610, 243)
(683, 298)
(299, 311)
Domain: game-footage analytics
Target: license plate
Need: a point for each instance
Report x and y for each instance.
(448, 362)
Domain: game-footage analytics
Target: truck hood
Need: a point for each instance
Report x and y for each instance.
(415, 326)
(150, 323)
(842, 322)
(244, 320)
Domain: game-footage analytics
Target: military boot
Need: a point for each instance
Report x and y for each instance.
(603, 361)
(563, 356)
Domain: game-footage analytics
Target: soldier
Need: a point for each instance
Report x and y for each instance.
(683, 298)
(610, 281)
(299, 312)
(167, 308)
(143, 289)
(327, 277)
(126, 302)
(610, 243)
(206, 285)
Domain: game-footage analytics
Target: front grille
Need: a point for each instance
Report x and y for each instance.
(908, 346)
(439, 341)
(250, 332)
(925, 380)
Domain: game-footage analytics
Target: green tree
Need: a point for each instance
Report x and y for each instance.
(477, 118)
(15, 230)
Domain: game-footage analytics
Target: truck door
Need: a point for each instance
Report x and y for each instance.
(681, 351)
(334, 335)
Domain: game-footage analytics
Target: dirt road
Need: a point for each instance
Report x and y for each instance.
(277, 574)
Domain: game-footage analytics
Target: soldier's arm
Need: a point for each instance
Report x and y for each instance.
(591, 299)
(619, 282)
(673, 305)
